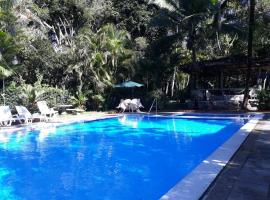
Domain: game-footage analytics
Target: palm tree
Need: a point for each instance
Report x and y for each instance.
(252, 4)
(188, 15)
(89, 60)
(116, 41)
(8, 47)
(97, 56)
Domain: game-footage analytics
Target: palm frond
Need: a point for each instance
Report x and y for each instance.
(4, 72)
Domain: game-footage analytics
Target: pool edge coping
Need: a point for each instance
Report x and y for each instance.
(40, 125)
(194, 184)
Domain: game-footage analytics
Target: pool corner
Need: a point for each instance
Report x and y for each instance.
(194, 185)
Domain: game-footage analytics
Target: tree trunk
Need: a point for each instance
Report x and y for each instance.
(250, 49)
(167, 87)
(194, 59)
(188, 79)
(264, 83)
(173, 82)
(80, 82)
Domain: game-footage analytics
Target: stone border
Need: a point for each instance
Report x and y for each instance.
(193, 186)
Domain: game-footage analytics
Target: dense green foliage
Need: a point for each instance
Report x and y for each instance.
(83, 47)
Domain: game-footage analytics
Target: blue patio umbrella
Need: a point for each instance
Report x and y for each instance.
(128, 84)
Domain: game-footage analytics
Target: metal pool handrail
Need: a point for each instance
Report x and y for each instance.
(154, 101)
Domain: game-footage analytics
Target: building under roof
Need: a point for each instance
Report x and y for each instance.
(227, 70)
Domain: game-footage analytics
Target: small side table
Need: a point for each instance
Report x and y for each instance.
(62, 108)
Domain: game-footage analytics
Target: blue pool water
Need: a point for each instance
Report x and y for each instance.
(131, 157)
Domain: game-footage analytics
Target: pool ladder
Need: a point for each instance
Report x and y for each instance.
(154, 102)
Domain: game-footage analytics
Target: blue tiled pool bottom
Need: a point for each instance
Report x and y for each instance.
(130, 157)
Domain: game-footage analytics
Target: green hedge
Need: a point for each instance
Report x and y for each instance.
(27, 95)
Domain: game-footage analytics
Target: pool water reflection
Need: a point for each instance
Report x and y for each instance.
(130, 157)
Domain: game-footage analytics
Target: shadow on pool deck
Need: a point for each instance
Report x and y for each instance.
(247, 175)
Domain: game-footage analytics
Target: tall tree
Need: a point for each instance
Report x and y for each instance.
(186, 23)
(134, 16)
(252, 4)
(8, 47)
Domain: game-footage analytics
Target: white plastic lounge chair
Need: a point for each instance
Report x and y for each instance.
(6, 117)
(24, 114)
(45, 111)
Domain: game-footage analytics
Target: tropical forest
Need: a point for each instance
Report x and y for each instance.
(76, 51)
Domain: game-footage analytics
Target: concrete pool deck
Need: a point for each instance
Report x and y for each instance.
(247, 175)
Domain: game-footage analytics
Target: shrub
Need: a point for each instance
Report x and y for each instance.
(97, 101)
(264, 100)
(12, 95)
(160, 96)
(27, 95)
(54, 96)
(79, 100)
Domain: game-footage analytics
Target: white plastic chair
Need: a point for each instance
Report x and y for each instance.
(122, 106)
(45, 111)
(135, 105)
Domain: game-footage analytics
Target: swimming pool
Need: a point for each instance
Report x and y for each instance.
(128, 157)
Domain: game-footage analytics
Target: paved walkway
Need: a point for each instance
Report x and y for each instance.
(247, 176)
